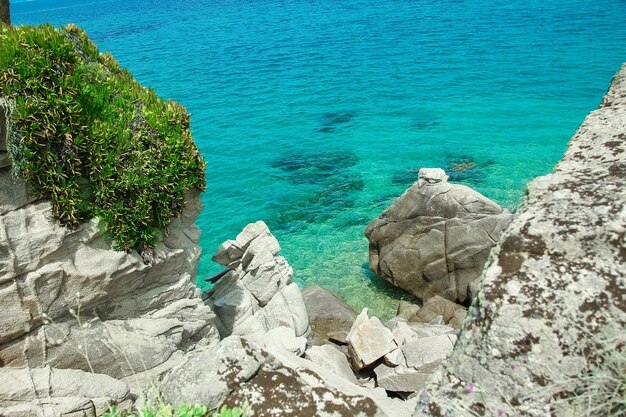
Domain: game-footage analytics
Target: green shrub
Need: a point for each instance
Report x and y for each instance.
(89, 138)
(183, 410)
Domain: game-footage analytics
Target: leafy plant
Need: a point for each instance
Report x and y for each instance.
(184, 410)
(89, 138)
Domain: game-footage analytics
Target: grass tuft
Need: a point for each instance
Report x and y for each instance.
(184, 410)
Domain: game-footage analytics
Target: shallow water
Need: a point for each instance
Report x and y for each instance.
(314, 115)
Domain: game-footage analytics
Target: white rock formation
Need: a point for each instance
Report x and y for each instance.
(435, 238)
(368, 341)
(69, 304)
(257, 294)
(234, 372)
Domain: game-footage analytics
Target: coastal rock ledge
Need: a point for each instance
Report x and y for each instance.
(546, 331)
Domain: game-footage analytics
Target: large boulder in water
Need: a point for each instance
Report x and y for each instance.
(436, 237)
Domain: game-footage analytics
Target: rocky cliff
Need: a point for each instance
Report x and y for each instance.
(74, 310)
(545, 336)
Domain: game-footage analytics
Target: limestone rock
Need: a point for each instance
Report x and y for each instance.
(60, 286)
(440, 307)
(327, 313)
(426, 353)
(435, 238)
(406, 309)
(426, 330)
(338, 338)
(331, 358)
(401, 378)
(257, 294)
(207, 377)
(395, 358)
(368, 341)
(402, 332)
(555, 288)
(59, 392)
(235, 372)
(284, 339)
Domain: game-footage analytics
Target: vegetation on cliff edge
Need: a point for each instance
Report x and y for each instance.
(89, 138)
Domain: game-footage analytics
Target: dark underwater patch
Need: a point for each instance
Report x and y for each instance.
(464, 169)
(419, 123)
(405, 177)
(313, 167)
(331, 121)
(460, 169)
(328, 188)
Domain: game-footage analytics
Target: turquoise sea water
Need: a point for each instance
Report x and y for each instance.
(314, 115)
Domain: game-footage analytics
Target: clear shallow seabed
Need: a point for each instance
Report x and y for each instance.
(314, 115)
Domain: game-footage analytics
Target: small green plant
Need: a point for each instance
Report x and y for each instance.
(89, 138)
(184, 410)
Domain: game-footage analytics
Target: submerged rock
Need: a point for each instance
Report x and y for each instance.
(435, 238)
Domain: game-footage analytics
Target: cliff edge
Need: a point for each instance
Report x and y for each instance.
(545, 335)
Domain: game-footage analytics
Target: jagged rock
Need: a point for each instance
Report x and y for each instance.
(207, 377)
(406, 309)
(257, 294)
(59, 392)
(401, 378)
(235, 372)
(426, 353)
(284, 339)
(52, 277)
(331, 358)
(339, 338)
(395, 358)
(255, 240)
(555, 290)
(327, 314)
(440, 307)
(368, 341)
(427, 330)
(402, 332)
(435, 238)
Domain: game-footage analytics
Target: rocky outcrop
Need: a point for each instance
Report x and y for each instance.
(368, 341)
(435, 238)
(280, 384)
(545, 334)
(59, 392)
(69, 302)
(329, 315)
(439, 308)
(257, 293)
(402, 355)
